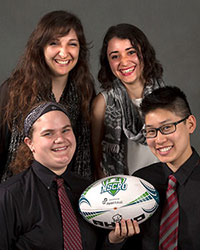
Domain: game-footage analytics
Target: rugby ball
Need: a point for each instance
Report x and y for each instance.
(112, 198)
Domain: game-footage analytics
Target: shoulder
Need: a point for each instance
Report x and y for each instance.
(99, 99)
(98, 103)
(151, 173)
(155, 175)
(4, 91)
(4, 86)
(15, 183)
(149, 168)
(194, 161)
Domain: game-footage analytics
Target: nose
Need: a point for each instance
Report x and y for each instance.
(59, 138)
(160, 138)
(63, 52)
(124, 60)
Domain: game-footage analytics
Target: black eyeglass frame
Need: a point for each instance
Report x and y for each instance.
(160, 128)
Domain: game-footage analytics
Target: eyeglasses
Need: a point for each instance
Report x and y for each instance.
(165, 129)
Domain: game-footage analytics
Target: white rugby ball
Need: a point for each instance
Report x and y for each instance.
(110, 199)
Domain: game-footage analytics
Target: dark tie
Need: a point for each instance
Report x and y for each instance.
(170, 217)
(71, 231)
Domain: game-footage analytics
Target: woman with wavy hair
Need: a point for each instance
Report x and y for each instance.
(128, 71)
(54, 67)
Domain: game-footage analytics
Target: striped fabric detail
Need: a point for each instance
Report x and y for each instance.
(71, 231)
(168, 239)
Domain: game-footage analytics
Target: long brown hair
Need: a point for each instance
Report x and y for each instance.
(32, 77)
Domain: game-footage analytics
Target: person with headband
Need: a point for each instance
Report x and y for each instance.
(129, 71)
(32, 203)
(54, 67)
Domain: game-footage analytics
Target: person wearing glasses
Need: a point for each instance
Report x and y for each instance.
(168, 126)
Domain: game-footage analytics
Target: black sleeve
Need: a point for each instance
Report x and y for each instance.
(8, 233)
(4, 131)
(111, 246)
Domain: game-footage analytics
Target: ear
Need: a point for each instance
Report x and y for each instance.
(29, 143)
(191, 123)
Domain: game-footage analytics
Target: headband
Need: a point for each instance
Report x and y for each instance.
(38, 112)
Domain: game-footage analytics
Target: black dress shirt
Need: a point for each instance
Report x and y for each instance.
(30, 217)
(188, 189)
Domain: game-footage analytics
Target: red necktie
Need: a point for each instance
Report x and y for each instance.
(71, 231)
(169, 221)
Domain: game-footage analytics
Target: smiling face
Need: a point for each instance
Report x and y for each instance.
(53, 142)
(173, 149)
(61, 54)
(124, 61)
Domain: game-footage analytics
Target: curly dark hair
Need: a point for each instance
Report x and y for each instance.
(32, 76)
(146, 53)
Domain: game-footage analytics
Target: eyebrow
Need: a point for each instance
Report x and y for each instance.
(161, 123)
(58, 39)
(116, 51)
(74, 39)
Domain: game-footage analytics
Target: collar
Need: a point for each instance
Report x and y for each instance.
(184, 172)
(46, 175)
(72, 180)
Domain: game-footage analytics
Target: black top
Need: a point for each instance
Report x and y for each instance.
(30, 216)
(188, 189)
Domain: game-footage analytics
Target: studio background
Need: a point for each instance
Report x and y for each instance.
(172, 26)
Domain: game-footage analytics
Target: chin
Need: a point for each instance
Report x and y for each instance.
(165, 159)
(62, 164)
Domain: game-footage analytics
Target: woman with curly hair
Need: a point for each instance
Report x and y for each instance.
(129, 71)
(55, 68)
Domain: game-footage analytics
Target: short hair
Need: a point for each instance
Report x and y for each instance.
(145, 51)
(170, 98)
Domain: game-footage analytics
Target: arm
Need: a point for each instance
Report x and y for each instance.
(97, 130)
(7, 219)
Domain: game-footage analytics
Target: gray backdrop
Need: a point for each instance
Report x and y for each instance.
(172, 26)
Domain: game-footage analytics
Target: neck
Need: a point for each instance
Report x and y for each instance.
(175, 165)
(58, 86)
(135, 91)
